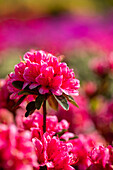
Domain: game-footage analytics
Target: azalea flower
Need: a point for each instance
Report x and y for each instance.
(44, 77)
(16, 149)
(100, 66)
(5, 101)
(53, 153)
(102, 158)
(34, 123)
(43, 70)
(78, 118)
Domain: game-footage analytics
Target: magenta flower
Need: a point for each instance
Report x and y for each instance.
(16, 149)
(34, 123)
(5, 101)
(78, 118)
(110, 60)
(104, 119)
(102, 158)
(6, 116)
(53, 153)
(44, 70)
(100, 66)
(90, 88)
(42, 74)
(81, 148)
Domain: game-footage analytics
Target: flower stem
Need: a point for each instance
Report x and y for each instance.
(44, 116)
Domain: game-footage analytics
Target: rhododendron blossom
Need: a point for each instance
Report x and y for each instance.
(16, 149)
(5, 101)
(100, 66)
(34, 123)
(53, 153)
(102, 158)
(43, 70)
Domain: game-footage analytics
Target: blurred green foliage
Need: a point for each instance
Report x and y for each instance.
(8, 60)
(34, 8)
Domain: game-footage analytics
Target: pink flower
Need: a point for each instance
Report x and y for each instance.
(100, 66)
(110, 60)
(104, 119)
(81, 148)
(102, 158)
(6, 116)
(90, 88)
(111, 155)
(16, 149)
(78, 118)
(16, 76)
(34, 123)
(45, 71)
(5, 101)
(53, 153)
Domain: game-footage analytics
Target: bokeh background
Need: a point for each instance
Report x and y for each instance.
(71, 28)
(80, 31)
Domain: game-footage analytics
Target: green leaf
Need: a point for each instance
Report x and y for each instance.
(26, 92)
(53, 102)
(19, 101)
(61, 139)
(74, 137)
(71, 100)
(30, 108)
(18, 84)
(39, 100)
(23, 92)
(60, 133)
(62, 101)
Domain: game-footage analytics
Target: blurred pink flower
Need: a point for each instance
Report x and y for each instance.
(104, 120)
(110, 60)
(17, 76)
(78, 118)
(53, 153)
(34, 123)
(99, 65)
(6, 116)
(16, 149)
(73, 32)
(102, 158)
(81, 147)
(5, 101)
(90, 88)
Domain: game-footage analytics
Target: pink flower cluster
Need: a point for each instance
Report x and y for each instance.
(53, 153)
(5, 101)
(79, 118)
(50, 149)
(34, 123)
(29, 148)
(102, 158)
(102, 65)
(43, 70)
(90, 88)
(82, 146)
(58, 152)
(104, 120)
(16, 149)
